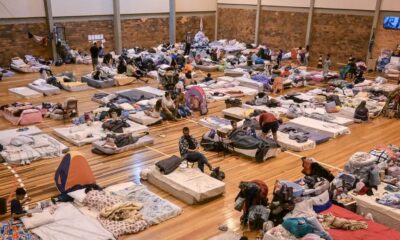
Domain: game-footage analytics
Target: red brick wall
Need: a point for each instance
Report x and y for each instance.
(14, 41)
(77, 33)
(340, 35)
(146, 32)
(284, 30)
(385, 38)
(191, 24)
(239, 24)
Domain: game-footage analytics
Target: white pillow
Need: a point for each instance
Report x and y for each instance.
(39, 82)
(37, 220)
(78, 195)
(143, 102)
(21, 140)
(126, 106)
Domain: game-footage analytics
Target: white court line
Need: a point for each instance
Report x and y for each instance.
(325, 164)
(156, 150)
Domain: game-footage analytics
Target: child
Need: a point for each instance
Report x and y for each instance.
(17, 210)
(208, 78)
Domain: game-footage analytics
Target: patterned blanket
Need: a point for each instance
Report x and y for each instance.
(15, 230)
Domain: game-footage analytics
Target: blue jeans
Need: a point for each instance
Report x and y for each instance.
(184, 111)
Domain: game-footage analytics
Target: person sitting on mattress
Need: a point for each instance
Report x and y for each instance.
(361, 113)
(156, 111)
(268, 122)
(133, 71)
(208, 78)
(168, 107)
(358, 76)
(98, 74)
(180, 103)
(121, 68)
(188, 148)
(17, 210)
(108, 60)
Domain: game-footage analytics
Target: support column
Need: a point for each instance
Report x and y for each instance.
(172, 22)
(216, 22)
(257, 28)
(309, 22)
(50, 24)
(117, 27)
(373, 28)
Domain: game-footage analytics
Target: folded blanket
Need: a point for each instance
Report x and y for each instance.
(123, 211)
(330, 221)
(168, 165)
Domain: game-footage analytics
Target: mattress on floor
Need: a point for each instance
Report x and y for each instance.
(293, 145)
(321, 114)
(143, 141)
(334, 130)
(142, 118)
(152, 90)
(83, 134)
(217, 123)
(207, 68)
(234, 72)
(25, 92)
(275, 110)
(27, 117)
(97, 83)
(238, 112)
(7, 135)
(122, 79)
(135, 95)
(247, 82)
(345, 112)
(314, 135)
(46, 89)
(43, 147)
(251, 153)
(73, 86)
(187, 184)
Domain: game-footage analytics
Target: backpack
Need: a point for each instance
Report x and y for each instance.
(218, 174)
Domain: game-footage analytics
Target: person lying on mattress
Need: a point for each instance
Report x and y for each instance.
(118, 141)
(188, 148)
(17, 210)
(268, 122)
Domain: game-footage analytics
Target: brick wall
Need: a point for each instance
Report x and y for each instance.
(14, 41)
(385, 38)
(146, 32)
(77, 33)
(236, 24)
(191, 24)
(340, 35)
(284, 30)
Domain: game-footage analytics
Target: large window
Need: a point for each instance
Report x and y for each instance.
(391, 22)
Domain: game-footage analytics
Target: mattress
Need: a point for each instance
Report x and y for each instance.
(187, 184)
(121, 79)
(25, 92)
(327, 117)
(237, 112)
(147, 89)
(251, 153)
(382, 214)
(143, 141)
(97, 83)
(334, 130)
(135, 95)
(77, 135)
(217, 123)
(141, 118)
(247, 82)
(207, 68)
(293, 145)
(234, 72)
(70, 224)
(75, 86)
(277, 111)
(314, 135)
(45, 89)
(7, 135)
(28, 117)
(155, 209)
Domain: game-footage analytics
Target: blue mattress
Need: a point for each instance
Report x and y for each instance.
(98, 83)
(314, 135)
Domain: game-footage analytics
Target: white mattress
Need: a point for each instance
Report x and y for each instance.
(188, 184)
(152, 90)
(330, 118)
(210, 122)
(237, 112)
(142, 118)
(143, 141)
(286, 142)
(334, 130)
(46, 89)
(272, 152)
(277, 111)
(7, 135)
(71, 224)
(247, 82)
(25, 92)
(75, 134)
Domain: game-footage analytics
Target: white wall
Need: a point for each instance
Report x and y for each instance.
(62, 8)
(196, 5)
(246, 2)
(21, 8)
(143, 6)
(390, 5)
(287, 3)
(347, 4)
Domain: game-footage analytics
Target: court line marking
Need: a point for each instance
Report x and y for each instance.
(156, 150)
(322, 163)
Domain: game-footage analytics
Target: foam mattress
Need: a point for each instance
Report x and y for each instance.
(46, 89)
(188, 184)
(141, 118)
(25, 92)
(143, 141)
(332, 129)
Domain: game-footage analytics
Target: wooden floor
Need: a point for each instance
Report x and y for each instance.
(199, 221)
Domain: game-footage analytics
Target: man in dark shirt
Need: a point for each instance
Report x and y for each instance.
(94, 53)
(17, 210)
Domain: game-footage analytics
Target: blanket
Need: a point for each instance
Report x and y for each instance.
(122, 211)
(10, 230)
(330, 221)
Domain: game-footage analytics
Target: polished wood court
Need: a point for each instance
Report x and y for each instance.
(198, 221)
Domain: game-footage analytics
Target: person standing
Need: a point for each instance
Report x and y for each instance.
(188, 43)
(307, 56)
(94, 53)
(268, 122)
(327, 65)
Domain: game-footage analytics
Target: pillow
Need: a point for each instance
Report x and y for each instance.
(21, 140)
(143, 102)
(40, 142)
(78, 195)
(126, 106)
(37, 220)
(321, 202)
(39, 82)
